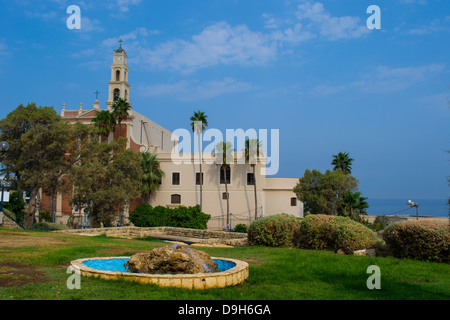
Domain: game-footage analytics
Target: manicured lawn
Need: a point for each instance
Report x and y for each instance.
(33, 266)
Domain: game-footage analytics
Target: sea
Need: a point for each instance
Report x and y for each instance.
(427, 207)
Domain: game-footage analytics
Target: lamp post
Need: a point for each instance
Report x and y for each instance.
(4, 146)
(412, 205)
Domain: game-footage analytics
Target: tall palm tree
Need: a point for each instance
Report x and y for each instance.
(199, 116)
(225, 157)
(251, 153)
(342, 162)
(120, 111)
(105, 123)
(152, 175)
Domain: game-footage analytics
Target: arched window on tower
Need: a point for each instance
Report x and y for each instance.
(118, 75)
(116, 94)
(126, 94)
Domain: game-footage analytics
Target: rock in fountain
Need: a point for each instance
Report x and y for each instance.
(172, 260)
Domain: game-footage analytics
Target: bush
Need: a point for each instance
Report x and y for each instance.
(241, 228)
(274, 231)
(187, 217)
(49, 226)
(181, 217)
(323, 232)
(422, 240)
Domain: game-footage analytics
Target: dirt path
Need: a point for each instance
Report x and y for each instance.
(11, 239)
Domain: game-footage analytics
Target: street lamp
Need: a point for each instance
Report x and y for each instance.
(412, 205)
(4, 146)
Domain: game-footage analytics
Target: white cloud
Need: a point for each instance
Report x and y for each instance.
(124, 5)
(194, 90)
(434, 26)
(217, 44)
(383, 79)
(386, 79)
(333, 28)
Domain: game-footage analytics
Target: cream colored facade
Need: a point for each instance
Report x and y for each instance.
(179, 187)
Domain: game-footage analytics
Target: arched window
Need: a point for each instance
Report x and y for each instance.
(175, 199)
(126, 94)
(116, 94)
(118, 75)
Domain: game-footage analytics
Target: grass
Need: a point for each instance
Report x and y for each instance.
(275, 273)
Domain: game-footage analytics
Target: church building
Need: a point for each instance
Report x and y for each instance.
(181, 183)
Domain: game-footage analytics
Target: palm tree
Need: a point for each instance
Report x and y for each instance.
(224, 157)
(105, 123)
(199, 116)
(120, 111)
(152, 176)
(342, 162)
(356, 204)
(251, 152)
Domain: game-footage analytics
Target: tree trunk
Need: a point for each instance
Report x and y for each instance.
(31, 208)
(201, 175)
(226, 192)
(254, 188)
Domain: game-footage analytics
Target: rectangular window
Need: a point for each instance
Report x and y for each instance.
(175, 178)
(293, 202)
(197, 178)
(225, 196)
(227, 173)
(250, 179)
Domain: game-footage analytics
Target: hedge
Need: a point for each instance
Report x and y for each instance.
(422, 240)
(274, 231)
(325, 232)
(180, 217)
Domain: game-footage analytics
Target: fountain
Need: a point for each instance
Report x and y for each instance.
(169, 266)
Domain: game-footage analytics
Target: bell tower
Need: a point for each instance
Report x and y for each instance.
(118, 86)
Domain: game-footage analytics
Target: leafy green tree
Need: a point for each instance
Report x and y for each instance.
(16, 205)
(152, 175)
(251, 153)
(224, 157)
(105, 123)
(342, 162)
(106, 178)
(38, 139)
(323, 193)
(199, 116)
(121, 109)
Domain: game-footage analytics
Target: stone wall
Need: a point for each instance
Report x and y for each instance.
(169, 233)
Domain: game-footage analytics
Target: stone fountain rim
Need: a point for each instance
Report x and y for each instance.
(78, 264)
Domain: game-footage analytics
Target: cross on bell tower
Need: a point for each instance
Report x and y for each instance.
(118, 86)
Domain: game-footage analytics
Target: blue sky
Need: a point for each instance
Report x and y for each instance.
(311, 69)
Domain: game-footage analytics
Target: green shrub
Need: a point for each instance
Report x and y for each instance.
(181, 217)
(322, 232)
(187, 217)
(49, 226)
(241, 228)
(274, 231)
(422, 240)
